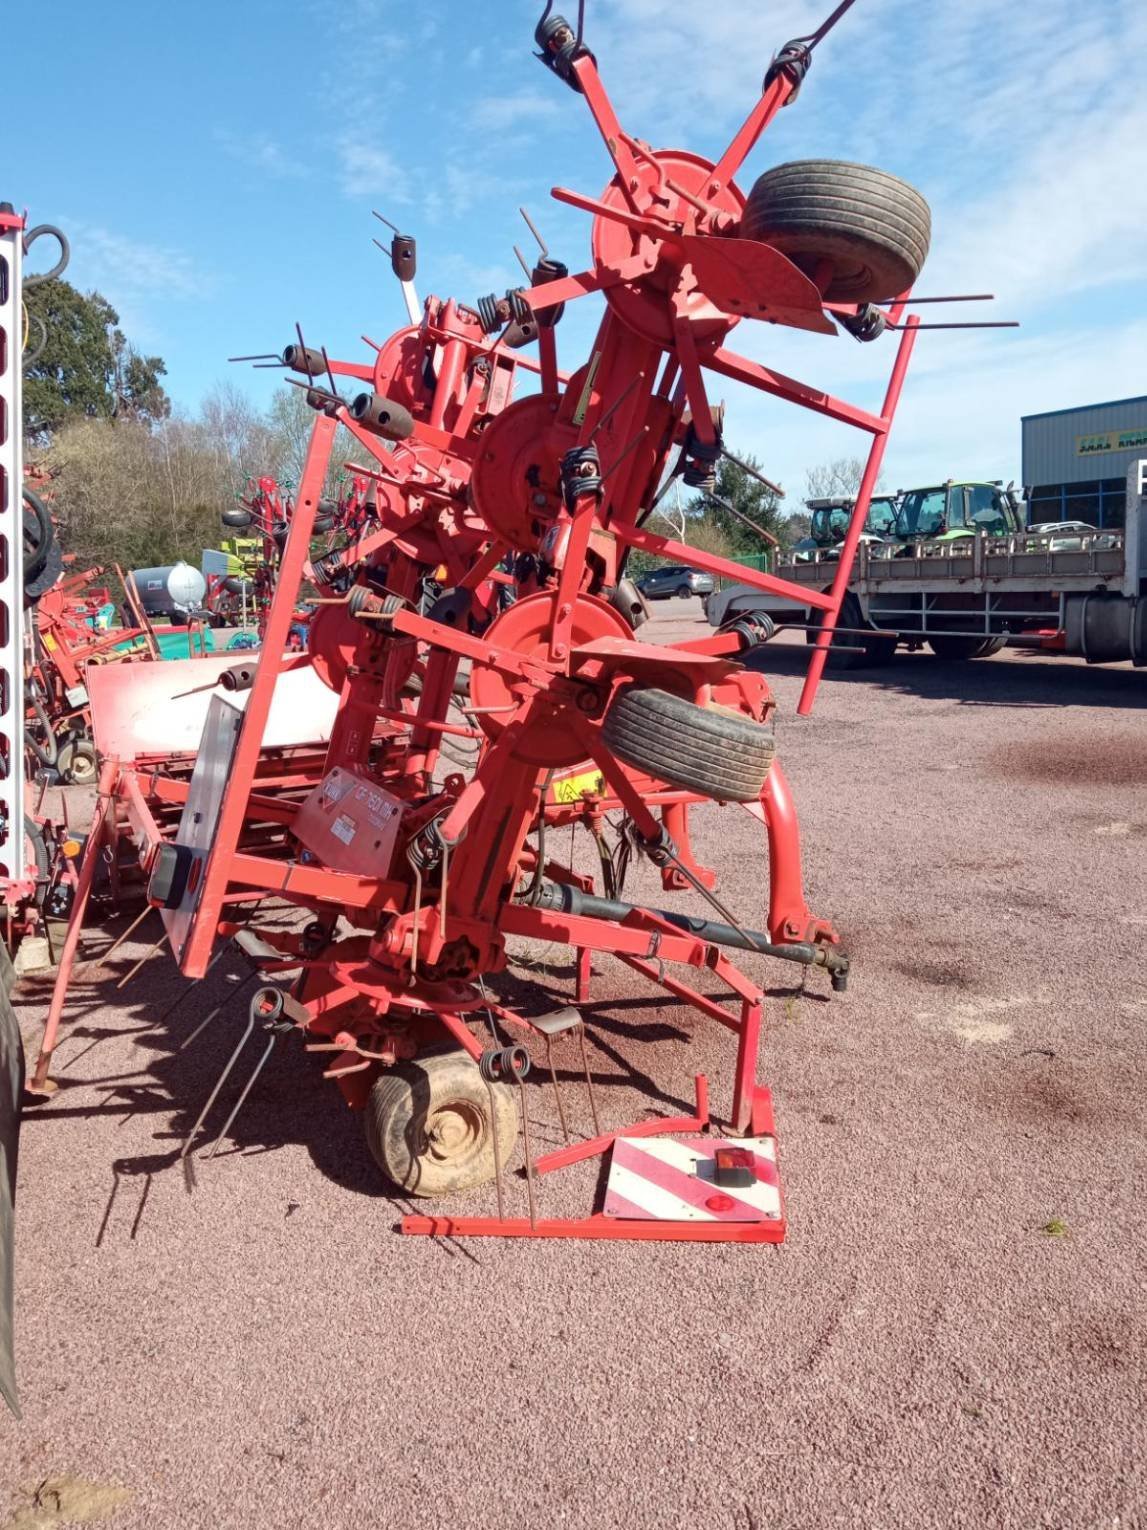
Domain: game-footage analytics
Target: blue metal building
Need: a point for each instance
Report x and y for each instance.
(1075, 460)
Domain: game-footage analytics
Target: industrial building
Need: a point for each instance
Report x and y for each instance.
(1075, 460)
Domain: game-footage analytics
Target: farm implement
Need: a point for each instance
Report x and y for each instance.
(476, 635)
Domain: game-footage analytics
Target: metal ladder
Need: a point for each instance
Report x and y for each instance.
(13, 855)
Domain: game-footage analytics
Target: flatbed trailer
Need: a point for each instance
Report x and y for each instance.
(967, 597)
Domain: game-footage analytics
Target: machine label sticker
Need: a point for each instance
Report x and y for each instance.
(344, 828)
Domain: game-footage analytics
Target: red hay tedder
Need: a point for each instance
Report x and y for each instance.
(475, 639)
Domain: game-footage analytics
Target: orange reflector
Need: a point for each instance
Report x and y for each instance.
(71, 848)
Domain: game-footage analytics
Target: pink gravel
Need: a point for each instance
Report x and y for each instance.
(953, 1334)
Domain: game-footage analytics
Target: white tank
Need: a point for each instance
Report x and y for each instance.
(166, 591)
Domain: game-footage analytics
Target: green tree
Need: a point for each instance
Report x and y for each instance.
(87, 369)
(751, 501)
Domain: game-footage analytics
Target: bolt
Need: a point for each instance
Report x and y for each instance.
(560, 650)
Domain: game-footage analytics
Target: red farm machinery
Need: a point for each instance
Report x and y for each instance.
(473, 630)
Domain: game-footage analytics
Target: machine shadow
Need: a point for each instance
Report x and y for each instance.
(1014, 678)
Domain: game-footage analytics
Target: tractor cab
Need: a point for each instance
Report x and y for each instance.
(829, 526)
(954, 510)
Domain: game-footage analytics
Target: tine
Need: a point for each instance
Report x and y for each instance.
(557, 1091)
(497, 1148)
(131, 972)
(219, 1008)
(533, 230)
(246, 1090)
(529, 1158)
(222, 1079)
(589, 1081)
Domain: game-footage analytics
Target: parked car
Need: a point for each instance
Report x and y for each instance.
(1068, 536)
(676, 579)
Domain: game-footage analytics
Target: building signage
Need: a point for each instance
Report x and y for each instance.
(1110, 441)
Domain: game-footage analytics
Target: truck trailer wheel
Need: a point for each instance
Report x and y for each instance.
(854, 648)
(873, 227)
(713, 750)
(958, 649)
(428, 1125)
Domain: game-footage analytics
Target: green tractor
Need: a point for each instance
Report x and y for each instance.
(953, 510)
(829, 525)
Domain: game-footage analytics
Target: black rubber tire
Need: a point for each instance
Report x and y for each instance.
(39, 535)
(46, 578)
(955, 650)
(416, 1108)
(713, 750)
(859, 652)
(684, 592)
(42, 861)
(990, 646)
(873, 226)
(77, 762)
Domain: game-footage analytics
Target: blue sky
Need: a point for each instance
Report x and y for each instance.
(216, 166)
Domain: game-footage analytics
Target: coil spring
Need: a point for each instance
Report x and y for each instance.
(580, 473)
(701, 458)
(793, 60)
(559, 46)
(505, 1065)
(493, 311)
(549, 270)
(661, 850)
(868, 323)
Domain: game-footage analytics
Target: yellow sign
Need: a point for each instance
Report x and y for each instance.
(1110, 441)
(573, 788)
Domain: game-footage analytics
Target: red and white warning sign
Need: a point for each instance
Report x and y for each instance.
(679, 1179)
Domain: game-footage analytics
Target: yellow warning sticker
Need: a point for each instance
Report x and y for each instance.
(574, 788)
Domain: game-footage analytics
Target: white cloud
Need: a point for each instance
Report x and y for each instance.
(508, 110)
(117, 264)
(261, 153)
(365, 170)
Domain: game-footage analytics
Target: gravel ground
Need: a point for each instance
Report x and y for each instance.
(952, 1335)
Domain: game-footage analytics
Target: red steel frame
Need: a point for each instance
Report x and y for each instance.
(544, 672)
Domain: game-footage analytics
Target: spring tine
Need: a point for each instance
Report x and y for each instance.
(959, 297)
(557, 1091)
(522, 263)
(392, 227)
(497, 1148)
(262, 356)
(533, 230)
(970, 324)
(529, 1159)
(222, 1079)
(613, 408)
(246, 1090)
(218, 1010)
(150, 952)
(588, 1080)
(303, 348)
(330, 374)
(119, 940)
